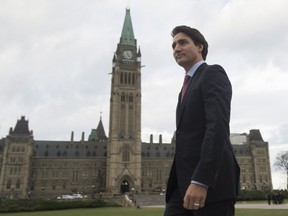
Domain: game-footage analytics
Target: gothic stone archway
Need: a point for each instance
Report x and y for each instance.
(125, 186)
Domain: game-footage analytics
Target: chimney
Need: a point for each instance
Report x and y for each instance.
(160, 139)
(72, 136)
(151, 138)
(82, 138)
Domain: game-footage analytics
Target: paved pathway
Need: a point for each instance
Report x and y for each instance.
(241, 206)
(261, 206)
(158, 201)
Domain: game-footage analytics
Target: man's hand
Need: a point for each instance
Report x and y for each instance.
(195, 197)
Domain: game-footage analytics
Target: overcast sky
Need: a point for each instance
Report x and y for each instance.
(56, 56)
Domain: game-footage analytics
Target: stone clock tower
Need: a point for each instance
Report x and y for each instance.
(124, 145)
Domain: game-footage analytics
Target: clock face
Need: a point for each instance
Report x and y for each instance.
(127, 54)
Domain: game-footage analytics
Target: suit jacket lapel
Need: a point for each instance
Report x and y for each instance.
(181, 105)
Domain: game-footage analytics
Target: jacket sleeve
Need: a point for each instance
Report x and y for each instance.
(216, 93)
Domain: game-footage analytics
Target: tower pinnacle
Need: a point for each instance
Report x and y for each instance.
(127, 36)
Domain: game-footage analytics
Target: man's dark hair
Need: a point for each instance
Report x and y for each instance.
(195, 35)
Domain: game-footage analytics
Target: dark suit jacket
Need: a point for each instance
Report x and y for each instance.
(203, 149)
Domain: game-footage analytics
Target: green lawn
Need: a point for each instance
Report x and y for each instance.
(261, 212)
(137, 212)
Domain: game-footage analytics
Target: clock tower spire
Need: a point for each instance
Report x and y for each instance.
(127, 36)
(124, 145)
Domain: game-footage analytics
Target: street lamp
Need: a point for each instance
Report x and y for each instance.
(43, 189)
(12, 194)
(93, 191)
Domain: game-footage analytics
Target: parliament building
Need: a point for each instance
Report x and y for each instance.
(118, 163)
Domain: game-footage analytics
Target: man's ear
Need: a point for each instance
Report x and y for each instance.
(201, 46)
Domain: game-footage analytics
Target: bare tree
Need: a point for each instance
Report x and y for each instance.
(282, 162)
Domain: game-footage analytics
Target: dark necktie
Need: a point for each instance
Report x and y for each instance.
(185, 85)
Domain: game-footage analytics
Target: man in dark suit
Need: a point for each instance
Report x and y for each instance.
(204, 177)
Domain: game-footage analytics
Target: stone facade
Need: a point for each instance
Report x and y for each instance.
(114, 164)
(38, 168)
(16, 154)
(253, 157)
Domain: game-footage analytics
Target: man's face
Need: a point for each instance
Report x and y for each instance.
(185, 52)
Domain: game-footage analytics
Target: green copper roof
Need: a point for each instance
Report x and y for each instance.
(99, 133)
(127, 36)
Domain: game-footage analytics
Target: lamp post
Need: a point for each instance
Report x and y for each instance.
(12, 194)
(43, 189)
(93, 191)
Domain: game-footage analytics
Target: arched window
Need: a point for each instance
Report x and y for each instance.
(121, 78)
(19, 170)
(15, 171)
(129, 78)
(8, 186)
(133, 79)
(126, 154)
(18, 184)
(123, 98)
(53, 185)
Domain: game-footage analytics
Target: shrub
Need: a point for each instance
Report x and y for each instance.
(252, 195)
(41, 204)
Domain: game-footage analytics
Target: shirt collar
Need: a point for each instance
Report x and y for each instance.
(194, 68)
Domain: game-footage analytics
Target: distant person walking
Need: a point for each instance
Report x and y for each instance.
(269, 199)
